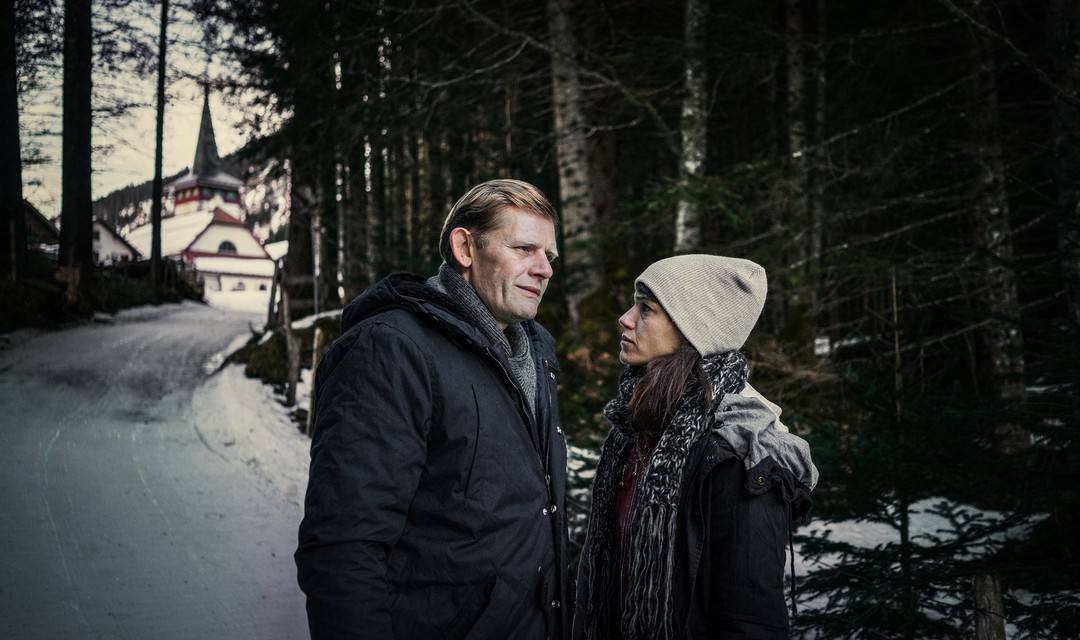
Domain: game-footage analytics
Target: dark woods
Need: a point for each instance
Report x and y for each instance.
(908, 174)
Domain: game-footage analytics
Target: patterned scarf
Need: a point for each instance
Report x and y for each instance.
(647, 611)
(514, 342)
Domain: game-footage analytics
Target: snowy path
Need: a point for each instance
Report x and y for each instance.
(138, 499)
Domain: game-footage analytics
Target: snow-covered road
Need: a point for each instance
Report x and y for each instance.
(142, 494)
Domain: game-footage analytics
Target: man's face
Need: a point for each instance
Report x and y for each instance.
(511, 271)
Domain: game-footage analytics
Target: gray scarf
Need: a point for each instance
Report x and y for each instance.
(647, 611)
(514, 342)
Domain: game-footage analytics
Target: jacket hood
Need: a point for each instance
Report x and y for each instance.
(772, 455)
(411, 292)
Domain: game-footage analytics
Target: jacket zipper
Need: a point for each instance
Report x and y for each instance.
(525, 414)
(550, 510)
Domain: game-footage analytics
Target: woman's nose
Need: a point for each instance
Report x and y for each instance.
(627, 319)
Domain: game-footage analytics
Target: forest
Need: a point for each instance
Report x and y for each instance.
(907, 173)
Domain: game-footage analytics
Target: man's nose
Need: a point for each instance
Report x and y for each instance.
(542, 267)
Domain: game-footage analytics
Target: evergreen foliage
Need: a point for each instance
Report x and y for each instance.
(907, 176)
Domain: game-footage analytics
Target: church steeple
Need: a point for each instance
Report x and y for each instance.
(206, 186)
(207, 162)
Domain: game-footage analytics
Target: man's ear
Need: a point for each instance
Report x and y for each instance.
(462, 247)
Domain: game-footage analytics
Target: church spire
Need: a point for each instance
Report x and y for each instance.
(207, 162)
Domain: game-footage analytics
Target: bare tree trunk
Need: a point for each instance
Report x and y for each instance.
(1001, 299)
(795, 47)
(693, 127)
(157, 189)
(292, 345)
(816, 161)
(604, 167)
(299, 282)
(76, 212)
(326, 224)
(787, 303)
(584, 268)
(357, 259)
(1065, 34)
(989, 609)
(12, 215)
(376, 219)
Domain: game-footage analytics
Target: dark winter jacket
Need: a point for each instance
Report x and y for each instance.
(434, 506)
(744, 483)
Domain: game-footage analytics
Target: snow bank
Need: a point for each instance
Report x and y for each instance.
(242, 420)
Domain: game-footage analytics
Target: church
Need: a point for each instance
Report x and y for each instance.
(205, 229)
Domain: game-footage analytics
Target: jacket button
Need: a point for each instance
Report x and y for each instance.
(760, 479)
(554, 604)
(545, 511)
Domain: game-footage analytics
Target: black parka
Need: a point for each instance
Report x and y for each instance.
(434, 506)
(743, 484)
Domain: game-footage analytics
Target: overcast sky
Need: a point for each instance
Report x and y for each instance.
(124, 147)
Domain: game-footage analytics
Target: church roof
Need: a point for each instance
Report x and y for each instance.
(221, 217)
(177, 233)
(219, 179)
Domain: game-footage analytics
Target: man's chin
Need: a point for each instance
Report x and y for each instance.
(524, 315)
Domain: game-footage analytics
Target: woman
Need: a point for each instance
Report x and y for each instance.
(698, 481)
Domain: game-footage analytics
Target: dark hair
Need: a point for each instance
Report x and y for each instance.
(479, 209)
(658, 392)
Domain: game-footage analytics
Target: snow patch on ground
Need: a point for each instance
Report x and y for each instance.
(246, 301)
(243, 420)
(309, 321)
(928, 528)
(214, 362)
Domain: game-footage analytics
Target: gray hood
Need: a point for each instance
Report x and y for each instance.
(752, 428)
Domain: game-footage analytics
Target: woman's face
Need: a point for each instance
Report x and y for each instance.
(648, 332)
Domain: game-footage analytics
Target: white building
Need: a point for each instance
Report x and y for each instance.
(226, 255)
(110, 247)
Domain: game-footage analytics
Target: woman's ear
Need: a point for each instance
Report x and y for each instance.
(462, 247)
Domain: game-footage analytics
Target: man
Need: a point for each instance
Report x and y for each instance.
(434, 506)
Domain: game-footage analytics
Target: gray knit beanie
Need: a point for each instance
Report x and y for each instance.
(713, 300)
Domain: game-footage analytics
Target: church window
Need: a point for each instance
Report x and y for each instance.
(227, 247)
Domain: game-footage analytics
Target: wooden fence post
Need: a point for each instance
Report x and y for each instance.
(316, 355)
(989, 609)
(292, 347)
